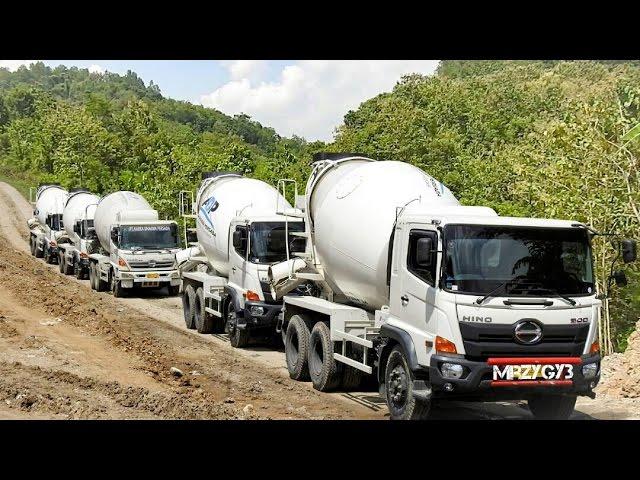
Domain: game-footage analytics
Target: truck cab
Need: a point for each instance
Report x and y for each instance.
(256, 244)
(495, 308)
(74, 258)
(141, 254)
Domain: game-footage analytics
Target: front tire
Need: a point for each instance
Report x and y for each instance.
(398, 379)
(78, 271)
(38, 253)
(66, 268)
(323, 369)
(239, 338)
(552, 407)
(296, 347)
(116, 287)
(32, 245)
(61, 262)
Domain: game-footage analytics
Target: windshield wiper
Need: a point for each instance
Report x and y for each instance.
(556, 292)
(481, 300)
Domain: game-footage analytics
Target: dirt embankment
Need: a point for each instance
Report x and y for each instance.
(621, 371)
(69, 352)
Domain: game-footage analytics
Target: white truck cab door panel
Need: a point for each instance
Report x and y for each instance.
(413, 280)
(238, 257)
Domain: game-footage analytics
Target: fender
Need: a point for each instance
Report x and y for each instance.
(404, 340)
(234, 298)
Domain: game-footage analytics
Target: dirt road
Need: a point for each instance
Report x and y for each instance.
(69, 352)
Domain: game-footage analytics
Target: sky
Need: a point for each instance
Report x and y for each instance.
(307, 98)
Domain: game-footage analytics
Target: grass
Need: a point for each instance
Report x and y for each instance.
(19, 180)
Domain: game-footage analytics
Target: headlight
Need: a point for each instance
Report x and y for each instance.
(122, 263)
(451, 370)
(590, 370)
(257, 311)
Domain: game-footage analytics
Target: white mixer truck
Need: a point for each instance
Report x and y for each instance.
(437, 300)
(46, 226)
(138, 249)
(80, 238)
(240, 235)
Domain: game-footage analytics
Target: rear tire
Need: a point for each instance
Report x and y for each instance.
(398, 379)
(296, 346)
(552, 407)
(351, 378)
(188, 303)
(78, 271)
(61, 262)
(203, 321)
(32, 245)
(324, 371)
(92, 277)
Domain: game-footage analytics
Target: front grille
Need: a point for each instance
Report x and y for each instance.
(482, 341)
(146, 265)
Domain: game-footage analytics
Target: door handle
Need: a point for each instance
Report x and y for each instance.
(404, 299)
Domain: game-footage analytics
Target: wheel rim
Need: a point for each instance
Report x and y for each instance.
(398, 387)
(231, 322)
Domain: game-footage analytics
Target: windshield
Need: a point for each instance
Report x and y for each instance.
(148, 237)
(268, 241)
(479, 258)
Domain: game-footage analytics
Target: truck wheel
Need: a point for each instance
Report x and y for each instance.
(174, 290)
(204, 322)
(324, 371)
(78, 271)
(116, 287)
(92, 277)
(61, 262)
(188, 304)
(101, 285)
(46, 254)
(296, 346)
(68, 269)
(32, 245)
(399, 389)
(351, 378)
(552, 407)
(238, 337)
(38, 253)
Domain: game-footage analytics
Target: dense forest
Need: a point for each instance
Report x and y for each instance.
(528, 138)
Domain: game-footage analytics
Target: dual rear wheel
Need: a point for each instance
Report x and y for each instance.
(195, 314)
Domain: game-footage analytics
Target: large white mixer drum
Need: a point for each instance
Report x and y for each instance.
(353, 207)
(80, 205)
(223, 196)
(50, 200)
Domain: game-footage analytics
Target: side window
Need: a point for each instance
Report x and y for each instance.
(422, 257)
(241, 247)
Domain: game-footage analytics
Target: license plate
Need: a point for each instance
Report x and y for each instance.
(150, 284)
(152, 275)
(557, 371)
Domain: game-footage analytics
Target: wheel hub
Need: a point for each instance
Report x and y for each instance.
(398, 384)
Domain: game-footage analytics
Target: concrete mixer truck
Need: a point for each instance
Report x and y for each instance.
(46, 226)
(240, 236)
(137, 249)
(79, 239)
(437, 300)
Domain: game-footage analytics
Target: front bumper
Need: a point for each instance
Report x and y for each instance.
(267, 320)
(130, 278)
(477, 381)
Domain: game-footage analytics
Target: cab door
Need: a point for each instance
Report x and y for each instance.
(238, 255)
(413, 278)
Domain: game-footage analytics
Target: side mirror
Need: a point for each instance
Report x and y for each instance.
(115, 233)
(629, 250)
(620, 278)
(237, 239)
(298, 245)
(424, 248)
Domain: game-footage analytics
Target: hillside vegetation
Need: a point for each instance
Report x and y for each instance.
(526, 138)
